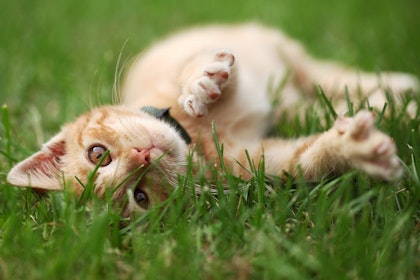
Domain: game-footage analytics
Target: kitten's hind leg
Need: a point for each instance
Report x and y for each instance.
(335, 79)
(203, 80)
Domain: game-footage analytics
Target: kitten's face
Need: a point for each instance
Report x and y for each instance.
(145, 156)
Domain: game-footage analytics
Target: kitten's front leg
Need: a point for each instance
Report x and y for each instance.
(351, 143)
(203, 79)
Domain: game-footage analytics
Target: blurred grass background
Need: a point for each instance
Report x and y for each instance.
(66, 51)
(58, 59)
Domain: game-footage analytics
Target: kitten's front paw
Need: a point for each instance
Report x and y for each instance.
(208, 87)
(368, 149)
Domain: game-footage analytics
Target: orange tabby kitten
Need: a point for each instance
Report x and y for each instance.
(222, 74)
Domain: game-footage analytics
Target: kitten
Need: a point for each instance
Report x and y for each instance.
(221, 74)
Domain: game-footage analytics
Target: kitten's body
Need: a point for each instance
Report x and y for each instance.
(174, 71)
(225, 74)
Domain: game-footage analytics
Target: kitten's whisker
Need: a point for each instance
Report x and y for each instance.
(117, 76)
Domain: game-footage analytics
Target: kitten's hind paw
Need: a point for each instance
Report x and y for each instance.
(208, 86)
(368, 149)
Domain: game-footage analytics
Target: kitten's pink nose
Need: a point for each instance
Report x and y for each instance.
(142, 156)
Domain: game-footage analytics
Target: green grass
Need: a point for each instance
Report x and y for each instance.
(58, 58)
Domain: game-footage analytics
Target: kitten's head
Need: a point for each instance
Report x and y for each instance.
(137, 155)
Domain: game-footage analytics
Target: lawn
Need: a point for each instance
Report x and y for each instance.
(59, 58)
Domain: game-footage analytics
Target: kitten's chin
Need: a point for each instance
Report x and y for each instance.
(156, 182)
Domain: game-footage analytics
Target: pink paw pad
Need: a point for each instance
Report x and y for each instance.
(219, 77)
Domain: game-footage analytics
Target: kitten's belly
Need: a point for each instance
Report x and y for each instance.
(256, 50)
(153, 80)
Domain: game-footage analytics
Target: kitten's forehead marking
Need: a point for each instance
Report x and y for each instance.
(113, 125)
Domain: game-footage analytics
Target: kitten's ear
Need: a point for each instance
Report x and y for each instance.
(42, 170)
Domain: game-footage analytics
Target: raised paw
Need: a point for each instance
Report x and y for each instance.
(366, 148)
(207, 87)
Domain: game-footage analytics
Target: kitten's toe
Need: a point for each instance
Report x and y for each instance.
(386, 147)
(194, 107)
(215, 77)
(383, 161)
(225, 56)
(389, 169)
(207, 90)
(362, 125)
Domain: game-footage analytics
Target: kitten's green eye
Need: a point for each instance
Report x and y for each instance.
(95, 154)
(141, 198)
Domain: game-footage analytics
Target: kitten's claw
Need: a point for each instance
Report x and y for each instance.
(368, 149)
(194, 107)
(208, 87)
